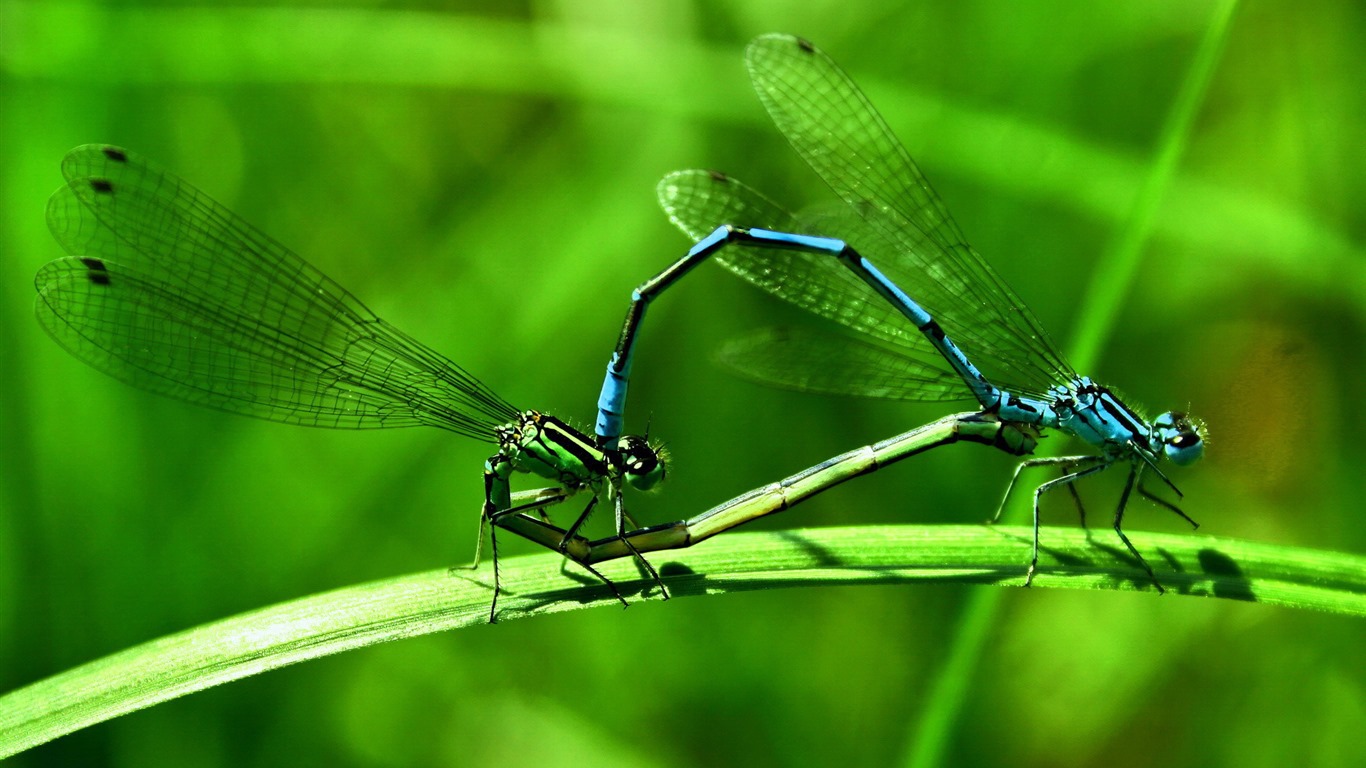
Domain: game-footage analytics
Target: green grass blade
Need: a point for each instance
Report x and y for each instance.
(157, 45)
(1115, 272)
(1109, 285)
(407, 606)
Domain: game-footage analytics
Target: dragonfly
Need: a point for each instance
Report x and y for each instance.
(969, 335)
(172, 293)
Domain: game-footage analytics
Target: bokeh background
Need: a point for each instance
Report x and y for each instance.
(482, 174)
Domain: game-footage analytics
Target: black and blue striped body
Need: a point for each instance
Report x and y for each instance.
(1078, 407)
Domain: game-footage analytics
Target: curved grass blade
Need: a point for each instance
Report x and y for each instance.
(408, 606)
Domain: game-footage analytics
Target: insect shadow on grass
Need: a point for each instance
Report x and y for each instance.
(1226, 578)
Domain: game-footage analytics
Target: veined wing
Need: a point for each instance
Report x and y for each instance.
(808, 361)
(697, 202)
(897, 219)
(176, 294)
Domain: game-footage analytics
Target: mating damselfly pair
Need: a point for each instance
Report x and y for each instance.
(169, 291)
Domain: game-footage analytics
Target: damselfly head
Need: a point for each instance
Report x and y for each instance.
(643, 466)
(1182, 438)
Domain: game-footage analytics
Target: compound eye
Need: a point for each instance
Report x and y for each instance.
(642, 465)
(1188, 440)
(1181, 438)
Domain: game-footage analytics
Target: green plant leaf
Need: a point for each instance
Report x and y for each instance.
(407, 606)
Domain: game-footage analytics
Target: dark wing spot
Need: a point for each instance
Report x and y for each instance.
(115, 154)
(805, 45)
(98, 274)
(103, 186)
(719, 177)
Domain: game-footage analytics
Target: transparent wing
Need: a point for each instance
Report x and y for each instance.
(175, 294)
(895, 217)
(700, 201)
(836, 365)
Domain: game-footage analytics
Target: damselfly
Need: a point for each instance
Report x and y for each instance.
(171, 292)
(980, 428)
(969, 336)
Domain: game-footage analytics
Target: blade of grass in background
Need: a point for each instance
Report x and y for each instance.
(1114, 273)
(414, 48)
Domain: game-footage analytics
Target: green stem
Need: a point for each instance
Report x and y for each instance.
(407, 606)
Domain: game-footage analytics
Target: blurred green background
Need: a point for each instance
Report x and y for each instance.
(482, 174)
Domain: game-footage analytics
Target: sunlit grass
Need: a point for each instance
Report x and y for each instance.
(408, 606)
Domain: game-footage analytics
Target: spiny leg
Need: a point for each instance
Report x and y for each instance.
(497, 586)
(578, 523)
(1076, 496)
(564, 541)
(1099, 464)
(496, 493)
(1064, 461)
(1164, 503)
(621, 519)
(1135, 471)
(615, 592)
(495, 490)
(564, 550)
(478, 543)
(498, 505)
(540, 499)
(621, 534)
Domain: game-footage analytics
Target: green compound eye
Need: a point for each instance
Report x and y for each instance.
(643, 466)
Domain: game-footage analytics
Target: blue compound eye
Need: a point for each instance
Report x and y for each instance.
(1181, 438)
